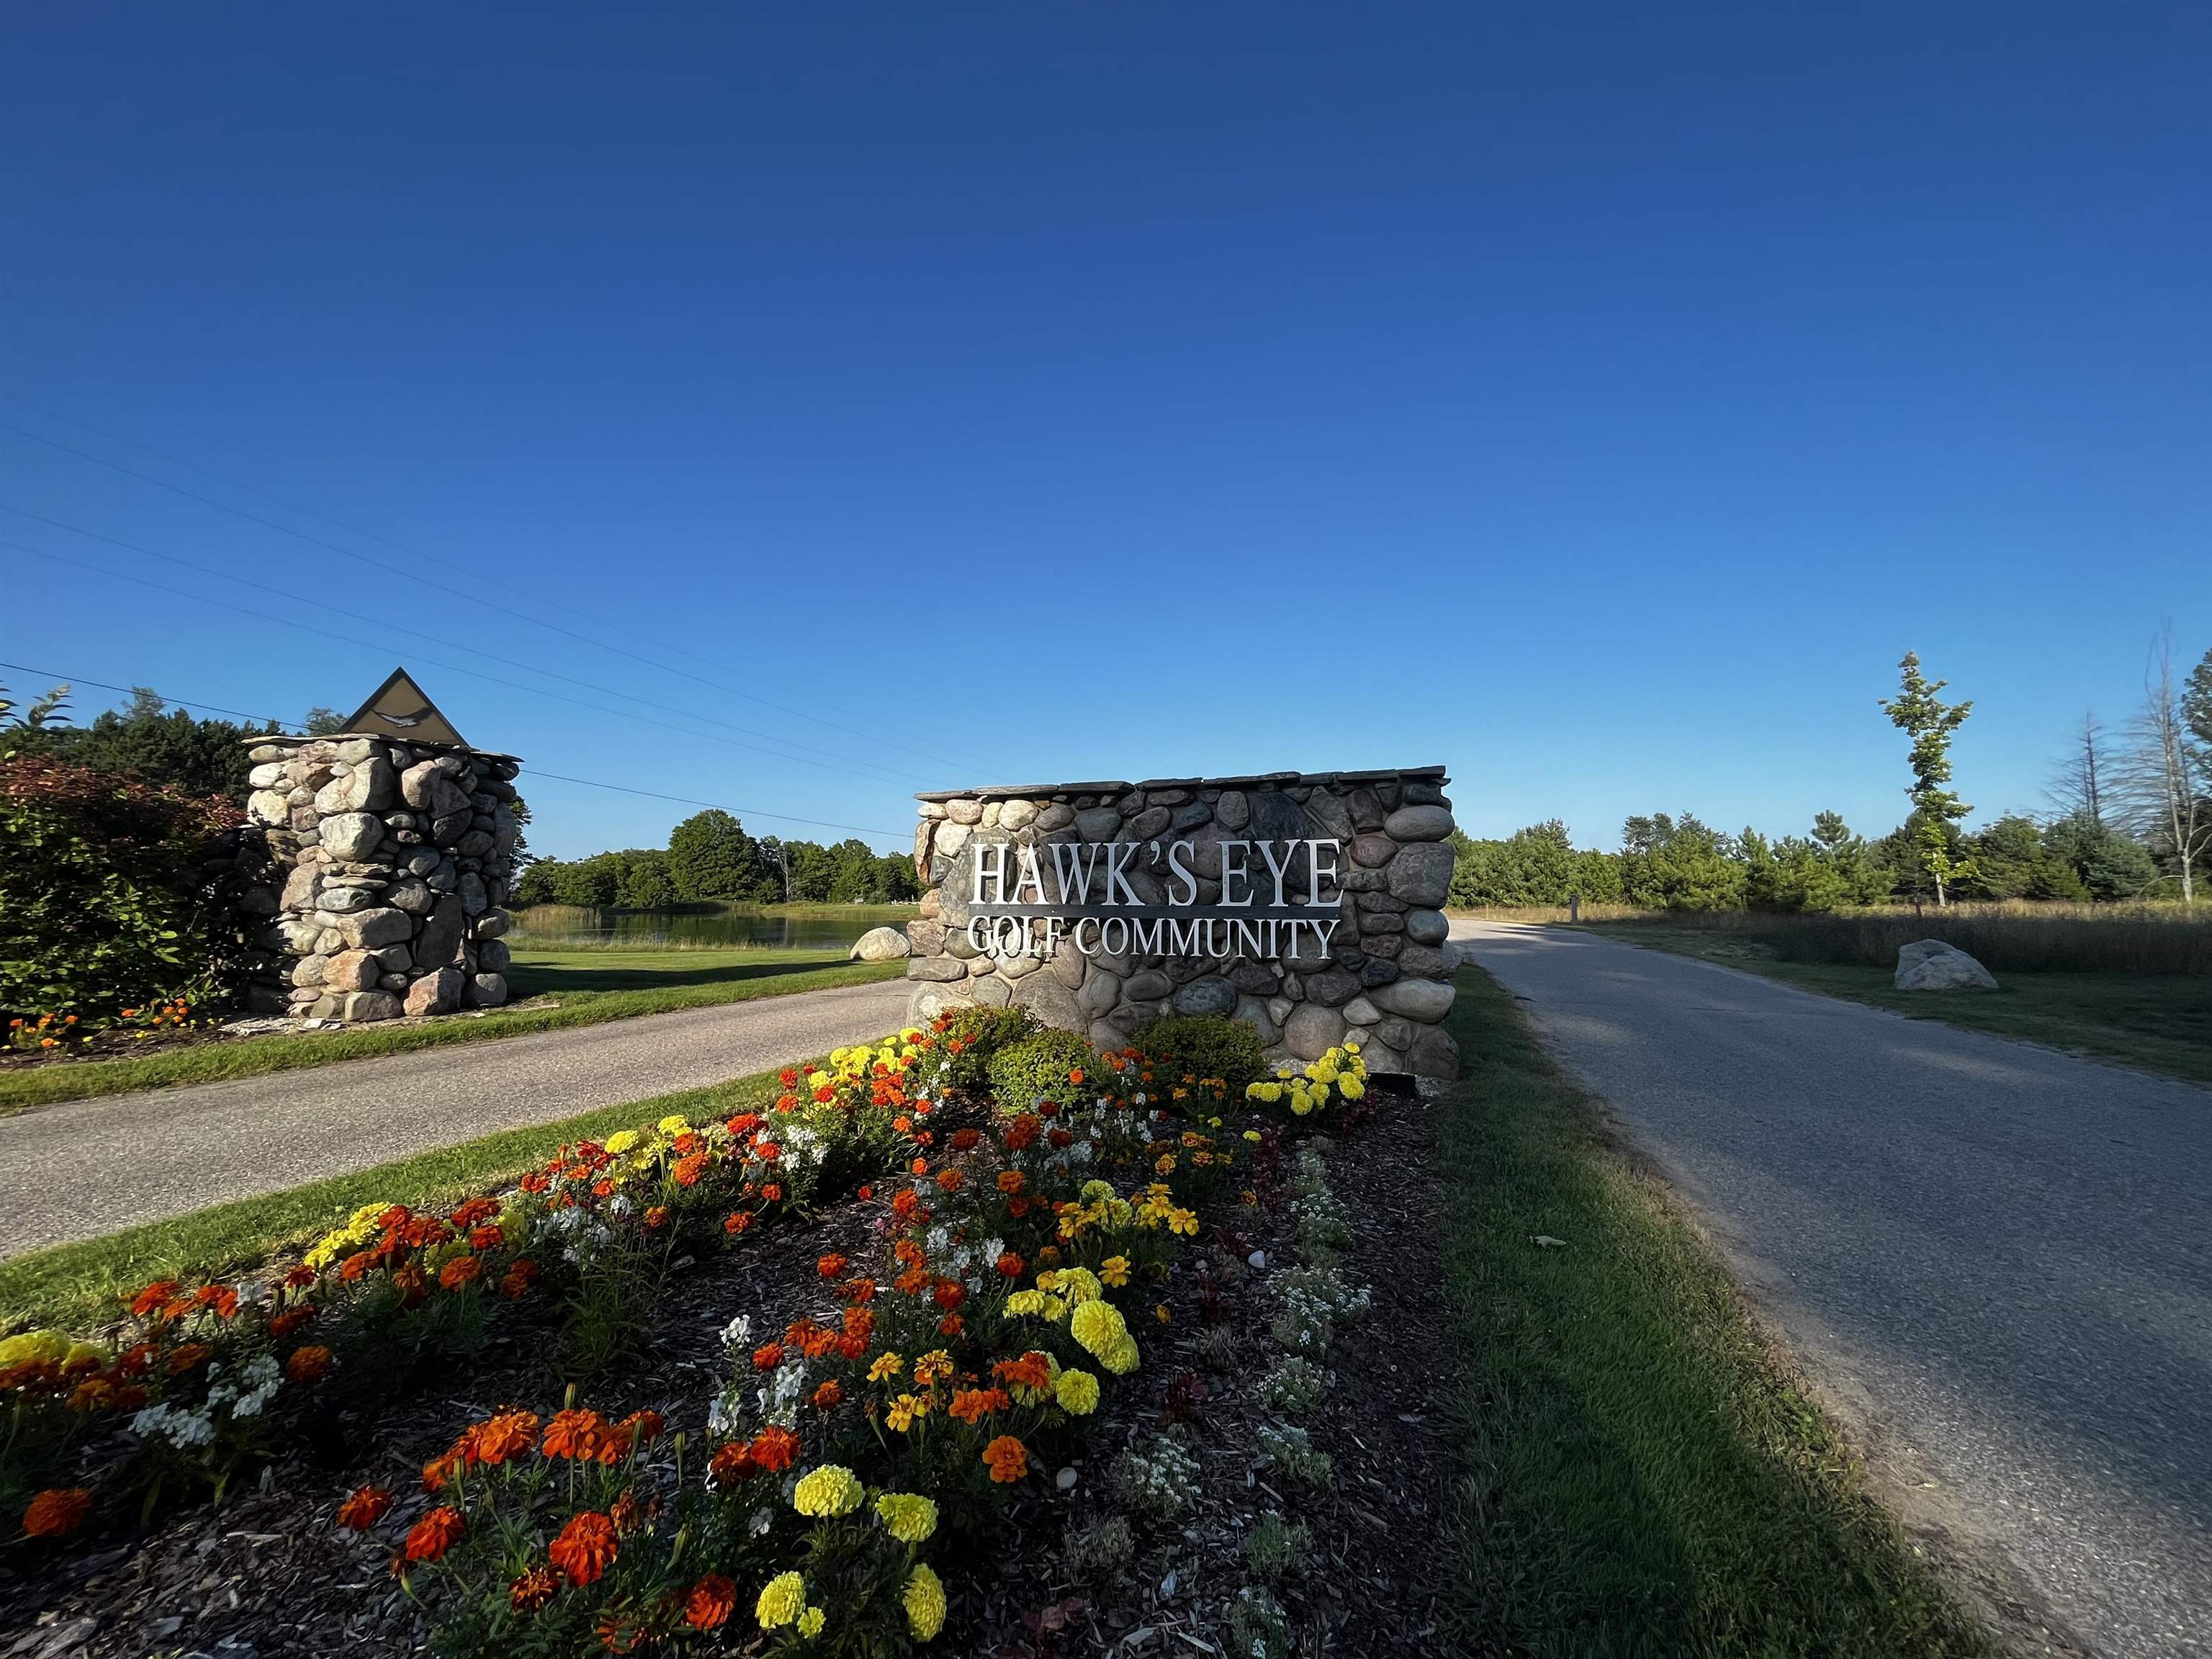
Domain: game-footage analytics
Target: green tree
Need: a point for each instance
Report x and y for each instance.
(710, 856)
(1930, 722)
(645, 883)
(321, 722)
(2107, 866)
(1674, 863)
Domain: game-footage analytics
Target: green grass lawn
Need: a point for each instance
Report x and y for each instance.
(77, 1286)
(592, 985)
(2160, 1022)
(1641, 1475)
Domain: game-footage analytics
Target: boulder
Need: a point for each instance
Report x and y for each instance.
(365, 929)
(936, 968)
(484, 990)
(1051, 1002)
(1434, 1053)
(1419, 824)
(441, 943)
(358, 1006)
(1426, 1000)
(1427, 927)
(1209, 995)
(352, 970)
(1312, 1031)
(351, 834)
(879, 945)
(1929, 964)
(435, 993)
(1421, 873)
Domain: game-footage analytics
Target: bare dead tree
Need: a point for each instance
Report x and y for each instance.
(2079, 786)
(2164, 777)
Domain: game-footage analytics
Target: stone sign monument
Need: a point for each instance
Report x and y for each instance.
(1307, 904)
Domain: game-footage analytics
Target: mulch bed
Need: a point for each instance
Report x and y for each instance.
(268, 1574)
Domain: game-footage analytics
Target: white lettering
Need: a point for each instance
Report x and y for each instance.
(1279, 868)
(1233, 871)
(1324, 872)
(991, 868)
(1121, 950)
(1183, 935)
(1246, 938)
(1119, 854)
(1145, 943)
(1178, 854)
(1030, 879)
(1074, 863)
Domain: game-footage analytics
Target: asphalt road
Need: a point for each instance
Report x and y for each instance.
(1996, 1257)
(88, 1167)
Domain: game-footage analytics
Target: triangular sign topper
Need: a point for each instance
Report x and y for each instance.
(401, 708)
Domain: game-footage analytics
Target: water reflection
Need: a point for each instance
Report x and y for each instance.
(720, 926)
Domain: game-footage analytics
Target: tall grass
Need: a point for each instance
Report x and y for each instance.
(2021, 938)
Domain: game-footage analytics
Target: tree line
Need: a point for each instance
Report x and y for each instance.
(710, 858)
(2130, 819)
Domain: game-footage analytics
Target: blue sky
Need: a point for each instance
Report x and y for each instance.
(1597, 399)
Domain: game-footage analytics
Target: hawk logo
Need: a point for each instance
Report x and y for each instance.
(400, 709)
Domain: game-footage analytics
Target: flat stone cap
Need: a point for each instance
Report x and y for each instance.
(288, 739)
(1111, 789)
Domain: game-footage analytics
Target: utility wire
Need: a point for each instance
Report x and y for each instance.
(317, 541)
(56, 675)
(452, 668)
(888, 772)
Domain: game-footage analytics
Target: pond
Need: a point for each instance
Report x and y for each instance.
(701, 926)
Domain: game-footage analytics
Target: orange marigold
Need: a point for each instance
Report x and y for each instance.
(57, 1512)
(435, 1532)
(776, 1449)
(365, 1509)
(731, 1464)
(311, 1364)
(1009, 1459)
(461, 1270)
(1010, 1265)
(533, 1589)
(1012, 1182)
(575, 1434)
(974, 1405)
(504, 1437)
(586, 1547)
(830, 1395)
(710, 1603)
(830, 1265)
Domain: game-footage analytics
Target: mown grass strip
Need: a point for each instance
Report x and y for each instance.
(683, 985)
(77, 1286)
(1642, 1476)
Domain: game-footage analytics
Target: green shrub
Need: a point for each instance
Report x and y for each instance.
(1276, 1547)
(1036, 1068)
(107, 895)
(1207, 1045)
(981, 1034)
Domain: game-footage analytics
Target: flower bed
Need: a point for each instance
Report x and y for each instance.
(910, 1404)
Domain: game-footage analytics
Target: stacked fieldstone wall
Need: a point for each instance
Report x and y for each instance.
(390, 864)
(1384, 979)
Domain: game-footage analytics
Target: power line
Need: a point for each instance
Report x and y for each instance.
(57, 676)
(451, 668)
(888, 772)
(317, 541)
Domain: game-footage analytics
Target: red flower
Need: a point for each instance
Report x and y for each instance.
(767, 1357)
(731, 1464)
(734, 1223)
(575, 1434)
(533, 1589)
(309, 1365)
(710, 1603)
(586, 1547)
(830, 1265)
(461, 1270)
(688, 1169)
(55, 1513)
(435, 1534)
(154, 1297)
(950, 1293)
(1009, 1265)
(772, 1193)
(830, 1395)
(365, 1508)
(972, 1406)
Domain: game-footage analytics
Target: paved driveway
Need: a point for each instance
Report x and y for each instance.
(1997, 1256)
(89, 1167)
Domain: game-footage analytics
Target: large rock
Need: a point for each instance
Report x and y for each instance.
(441, 944)
(1434, 1053)
(356, 1005)
(1419, 824)
(1312, 1031)
(1255, 1013)
(878, 945)
(364, 930)
(435, 993)
(1098, 822)
(485, 991)
(1427, 927)
(1051, 1002)
(1929, 964)
(351, 834)
(1209, 995)
(352, 970)
(1421, 873)
(936, 968)
(1426, 1000)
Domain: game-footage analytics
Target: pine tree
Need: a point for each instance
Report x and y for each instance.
(1922, 715)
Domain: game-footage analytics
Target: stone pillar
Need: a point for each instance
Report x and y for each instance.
(391, 862)
(1384, 979)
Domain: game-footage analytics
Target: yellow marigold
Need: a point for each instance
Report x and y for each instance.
(1114, 1270)
(932, 1366)
(622, 1140)
(1024, 1304)
(832, 1489)
(905, 1409)
(1078, 1393)
(1097, 1326)
(910, 1516)
(810, 1622)
(886, 1367)
(925, 1602)
(1096, 1192)
(49, 1345)
(781, 1601)
(1122, 1358)
(1351, 1088)
(1080, 1285)
(671, 1126)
